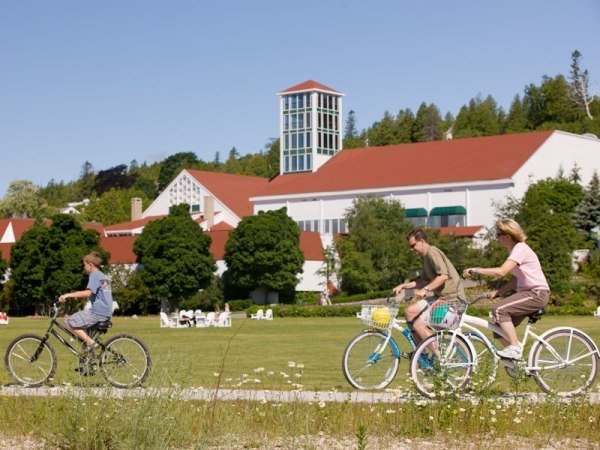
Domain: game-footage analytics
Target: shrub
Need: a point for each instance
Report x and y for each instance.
(360, 297)
(239, 305)
(206, 299)
(306, 298)
(307, 311)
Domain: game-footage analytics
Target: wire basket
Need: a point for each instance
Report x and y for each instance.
(378, 316)
(443, 314)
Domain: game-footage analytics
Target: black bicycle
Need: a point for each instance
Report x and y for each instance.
(123, 360)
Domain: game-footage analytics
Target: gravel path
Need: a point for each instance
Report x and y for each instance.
(208, 394)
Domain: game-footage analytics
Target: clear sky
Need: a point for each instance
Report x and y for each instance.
(115, 80)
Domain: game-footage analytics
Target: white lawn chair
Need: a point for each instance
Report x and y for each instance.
(268, 315)
(166, 322)
(185, 318)
(597, 313)
(259, 315)
(224, 320)
(210, 320)
(200, 318)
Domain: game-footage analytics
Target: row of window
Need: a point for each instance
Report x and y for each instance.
(297, 163)
(297, 121)
(327, 121)
(324, 226)
(296, 101)
(294, 141)
(301, 101)
(328, 141)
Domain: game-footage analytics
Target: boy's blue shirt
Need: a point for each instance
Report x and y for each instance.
(101, 298)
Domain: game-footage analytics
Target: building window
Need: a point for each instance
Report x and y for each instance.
(287, 163)
(308, 100)
(294, 163)
(301, 140)
(286, 142)
(308, 122)
(308, 139)
(319, 100)
(319, 120)
(301, 120)
(301, 101)
(286, 122)
(294, 141)
(447, 216)
(294, 104)
(301, 161)
(309, 162)
(286, 102)
(319, 139)
(294, 121)
(336, 122)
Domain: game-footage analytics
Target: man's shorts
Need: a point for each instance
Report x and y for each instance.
(85, 319)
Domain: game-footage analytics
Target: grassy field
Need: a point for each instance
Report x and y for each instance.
(191, 356)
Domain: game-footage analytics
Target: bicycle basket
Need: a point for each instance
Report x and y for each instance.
(443, 314)
(378, 316)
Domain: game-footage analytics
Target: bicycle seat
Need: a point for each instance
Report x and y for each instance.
(533, 318)
(103, 326)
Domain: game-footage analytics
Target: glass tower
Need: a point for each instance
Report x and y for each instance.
(310, 122)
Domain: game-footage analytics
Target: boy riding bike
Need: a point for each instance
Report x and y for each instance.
(100, 294)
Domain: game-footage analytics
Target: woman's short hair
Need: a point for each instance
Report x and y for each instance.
(512, 228)
(418, 234)
(94, 258)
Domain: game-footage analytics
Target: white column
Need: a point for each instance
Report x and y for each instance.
(468, 206)
(340, 120)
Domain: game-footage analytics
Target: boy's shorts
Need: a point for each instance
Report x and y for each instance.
(85, 319)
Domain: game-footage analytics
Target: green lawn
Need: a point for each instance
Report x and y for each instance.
(190, 357)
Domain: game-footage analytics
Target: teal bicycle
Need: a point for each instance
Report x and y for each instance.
(372, 358)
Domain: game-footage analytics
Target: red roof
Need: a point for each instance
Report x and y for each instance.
(222, 226)
(95, 226)
(218, 241)
(460, 231)
(459, 160)
(120, 249)
(310, 244)
(20, 226)
(132, 225)
(309, 85)
(233, 190)
(5, 249)
(3, 226)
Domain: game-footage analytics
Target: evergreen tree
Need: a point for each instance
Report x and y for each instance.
(113, 178)
(113, 206)
(230, 165)
(516, 121)
(273, 156)
(173, 165)
(175, 255)
(428, 124)
(383, 132)
(351, 130)
(404, 126)
(86, 180)
(587, 215)
(263, 252)
(217, 160)
(579, 85)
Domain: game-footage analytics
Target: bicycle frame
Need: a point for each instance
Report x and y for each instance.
(388, 333)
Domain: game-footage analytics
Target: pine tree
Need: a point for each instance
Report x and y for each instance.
(587, 215)
(427, 124)
(516, 121)
(579, 84)
(351, 130)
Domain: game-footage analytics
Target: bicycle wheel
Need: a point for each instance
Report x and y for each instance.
(441, 364)
(566, 364)
(30, 361)
(486, 369)
(368, 362)
(125, 361)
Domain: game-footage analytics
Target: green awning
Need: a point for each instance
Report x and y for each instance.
(448, 211)
(416, 212)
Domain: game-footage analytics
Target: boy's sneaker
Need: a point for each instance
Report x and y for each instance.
(89, 348)
(510, 352)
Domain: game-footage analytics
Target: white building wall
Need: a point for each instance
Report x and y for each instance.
(309, 280)
(564, 150)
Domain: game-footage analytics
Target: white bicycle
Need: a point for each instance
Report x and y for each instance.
(563, 360)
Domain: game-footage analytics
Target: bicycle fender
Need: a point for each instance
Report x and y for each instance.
(551, 330)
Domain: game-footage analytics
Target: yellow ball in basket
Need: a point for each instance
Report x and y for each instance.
(381, 317)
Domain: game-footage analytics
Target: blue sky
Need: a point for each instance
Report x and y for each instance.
(114, 81)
